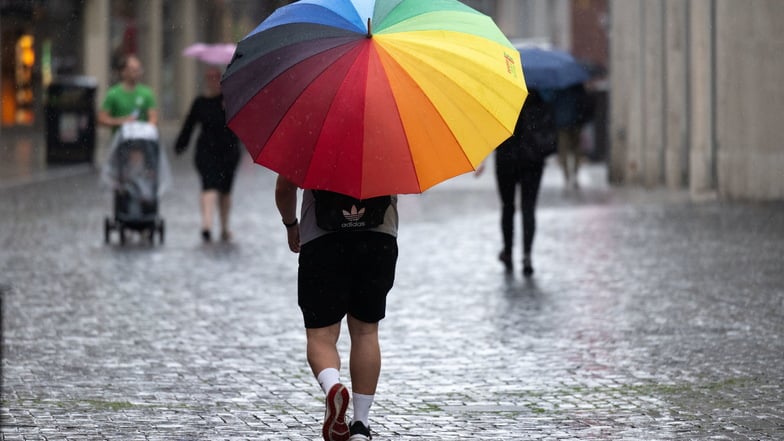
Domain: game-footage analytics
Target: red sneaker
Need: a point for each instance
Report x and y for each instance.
(335, 427)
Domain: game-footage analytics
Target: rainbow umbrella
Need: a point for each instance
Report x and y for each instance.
(373, 97)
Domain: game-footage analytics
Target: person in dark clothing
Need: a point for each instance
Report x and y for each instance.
(217, 154)
(520, 161)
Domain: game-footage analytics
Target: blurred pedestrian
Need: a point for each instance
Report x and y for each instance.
(344, 273)
(520, 161)
(128, 100)
(217, 154)
(570, 107)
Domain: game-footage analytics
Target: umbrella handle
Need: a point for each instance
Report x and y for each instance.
(370, 29)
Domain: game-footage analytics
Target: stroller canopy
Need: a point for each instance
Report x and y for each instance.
(136, 162)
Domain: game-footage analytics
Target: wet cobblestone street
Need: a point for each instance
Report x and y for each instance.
(650, 317)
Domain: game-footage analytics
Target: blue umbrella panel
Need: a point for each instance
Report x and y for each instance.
(551, 69)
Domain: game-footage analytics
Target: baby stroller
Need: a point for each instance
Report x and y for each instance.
(137, 172)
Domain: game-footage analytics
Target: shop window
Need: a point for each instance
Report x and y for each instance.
(23, 73)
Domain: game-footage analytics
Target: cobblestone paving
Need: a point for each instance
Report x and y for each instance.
(648, 318)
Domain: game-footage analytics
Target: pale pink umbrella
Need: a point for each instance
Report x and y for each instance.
(220, 53)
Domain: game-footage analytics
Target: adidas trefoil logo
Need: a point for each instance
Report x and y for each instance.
(354, 215)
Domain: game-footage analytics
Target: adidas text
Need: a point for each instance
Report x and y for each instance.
(353, 224)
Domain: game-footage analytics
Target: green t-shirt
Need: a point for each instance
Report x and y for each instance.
(120, 102)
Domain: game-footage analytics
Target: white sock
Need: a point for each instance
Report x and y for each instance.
(328, 378)
(362, 405)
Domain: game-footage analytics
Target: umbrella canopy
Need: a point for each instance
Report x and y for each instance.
(551, 68)
(373, 97)
(211, 53)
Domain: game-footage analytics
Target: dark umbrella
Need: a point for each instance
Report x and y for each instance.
(551, 69)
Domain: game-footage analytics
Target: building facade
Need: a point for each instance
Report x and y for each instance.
(86, 37)
(43, 40)
(58, 38)
(695, 97)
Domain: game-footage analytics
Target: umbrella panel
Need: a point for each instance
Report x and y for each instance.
(458, 92)
(551, 69)
(444, 157)
(211, 53)
(260, 117)
(260, 60)
(359, 142)
(337, 151)
(387, 160)
(289, 148)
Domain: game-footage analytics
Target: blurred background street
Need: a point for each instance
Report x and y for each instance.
(656, 311)
(649, 317)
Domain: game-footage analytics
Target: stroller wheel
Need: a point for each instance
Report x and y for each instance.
(107, 230)
(161, 230)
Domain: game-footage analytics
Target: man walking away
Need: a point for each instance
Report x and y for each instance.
(341, 274)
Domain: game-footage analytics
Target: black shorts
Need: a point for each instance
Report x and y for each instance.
(342, 273)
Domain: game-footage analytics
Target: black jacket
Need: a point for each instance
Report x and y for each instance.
(535, 135)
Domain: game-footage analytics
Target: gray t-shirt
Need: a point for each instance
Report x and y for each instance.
(309, 230)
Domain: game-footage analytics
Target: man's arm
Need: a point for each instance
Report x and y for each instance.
(152, 116)
(152, 106)
(107, 120)
(286, 201)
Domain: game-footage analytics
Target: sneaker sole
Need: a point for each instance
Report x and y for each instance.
(360, 437)
(335, 427)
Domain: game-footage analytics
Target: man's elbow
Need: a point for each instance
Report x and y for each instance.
(282, 191)
(284, 187)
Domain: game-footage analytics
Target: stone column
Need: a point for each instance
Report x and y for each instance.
(702, 155)
(96, 43)
(150, 16)
(186, 69)
(749, 99)
(97, 61)
(676, 114)
(561, 23)
(510, 18)
(626, 91)
(654, 86)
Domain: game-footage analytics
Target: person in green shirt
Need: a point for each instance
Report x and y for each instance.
(129, 100)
